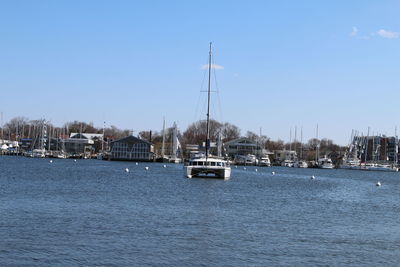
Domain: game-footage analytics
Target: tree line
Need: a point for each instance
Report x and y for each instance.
(22, 127)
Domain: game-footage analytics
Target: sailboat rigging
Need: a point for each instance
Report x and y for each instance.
(208, 166)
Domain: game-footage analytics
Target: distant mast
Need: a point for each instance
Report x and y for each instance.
(396, 146)
(102, 139)
(163, 140)
(174, 141)
(301, 142)
(208, 104)
(2, 127)
(317, 146)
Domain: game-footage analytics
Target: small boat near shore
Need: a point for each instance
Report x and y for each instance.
(300, 164)
(264, 161)
(325, 163)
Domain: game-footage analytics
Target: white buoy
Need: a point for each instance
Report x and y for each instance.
(189, 176)
(235, 166)
(146, 168)
(137, 163)
(312, 177)
(244, 168)
(378, 183)
(273, 173)
(74, 160)
(126, 170)
(51, 161)
(165, 166)
(256, 170)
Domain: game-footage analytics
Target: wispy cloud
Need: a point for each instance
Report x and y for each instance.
(213, 66)
(354, 31)
(388, 34)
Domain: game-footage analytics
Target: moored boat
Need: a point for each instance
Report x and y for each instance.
(325, 163)
(206, 165)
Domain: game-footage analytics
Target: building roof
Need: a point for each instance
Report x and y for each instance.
(89, 136)
(241, 141)
(132, 139)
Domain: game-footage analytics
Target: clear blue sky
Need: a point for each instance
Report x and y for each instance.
(129, 63)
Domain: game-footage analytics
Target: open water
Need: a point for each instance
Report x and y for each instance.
(93, 213)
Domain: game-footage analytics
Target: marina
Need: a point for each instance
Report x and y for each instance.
(382, 154)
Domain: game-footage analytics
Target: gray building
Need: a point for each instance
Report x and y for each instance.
(282, 155)
(78, 144)
(244, 146)
(131, 148)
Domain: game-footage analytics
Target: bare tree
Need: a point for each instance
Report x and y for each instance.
(230, 132)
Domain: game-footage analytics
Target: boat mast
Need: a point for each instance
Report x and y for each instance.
(208, 103)
(295, 140)
(102, 139)
(2, 128)
(396, 146)
(49, 144)
(163, 140)
(174, 141)
(366, 147)
(316, 148)
(301, 143)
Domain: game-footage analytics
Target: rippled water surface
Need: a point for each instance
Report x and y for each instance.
(91, 212)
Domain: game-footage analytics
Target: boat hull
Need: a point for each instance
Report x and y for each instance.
(326, 167)
(208, 172)
(369, 168)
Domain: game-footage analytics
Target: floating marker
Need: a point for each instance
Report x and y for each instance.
(126, 170)
(244, 168)
(146, 168)
(378, 183)
(137, 163)
(74, 160)
(312, 177)
(50, 161)
(256, 170)
(165, 166)
(273, 173)
(235, 166)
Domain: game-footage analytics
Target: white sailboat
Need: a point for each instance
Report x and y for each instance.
(207, 166)
(41, 151)
(300, 163)
(175, 146)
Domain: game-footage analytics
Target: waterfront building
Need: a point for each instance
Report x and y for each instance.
(244, 146)
(132, 148)
(79, 144)
(25, 144)
(377, 148)
(285, 155)
(89, 136)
